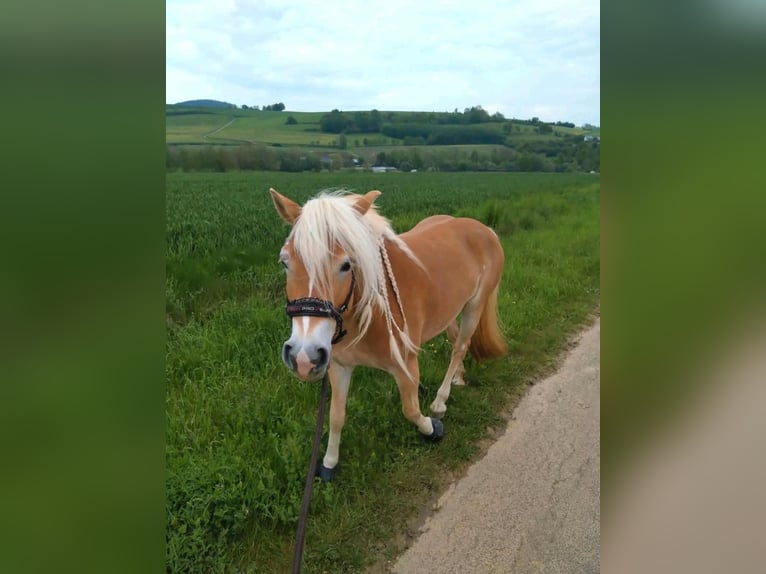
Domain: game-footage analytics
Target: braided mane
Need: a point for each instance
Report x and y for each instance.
(330, 219)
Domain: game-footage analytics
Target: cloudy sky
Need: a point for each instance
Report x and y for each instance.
(523, 58)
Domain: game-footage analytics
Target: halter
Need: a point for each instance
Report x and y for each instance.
(313, 307)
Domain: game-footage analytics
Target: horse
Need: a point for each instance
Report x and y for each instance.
(359, 294)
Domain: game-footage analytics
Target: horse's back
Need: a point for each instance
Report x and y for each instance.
(449, 245)
(444, 233)
(427, 223)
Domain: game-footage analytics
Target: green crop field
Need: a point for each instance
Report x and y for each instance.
(239, 426)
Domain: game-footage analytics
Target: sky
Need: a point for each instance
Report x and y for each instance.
(522, 58)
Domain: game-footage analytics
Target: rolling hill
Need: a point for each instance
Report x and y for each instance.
(204, 104)
(218, 123)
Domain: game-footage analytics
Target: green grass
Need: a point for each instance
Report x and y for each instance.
(239, 426)
(254, 127)
(274, 130)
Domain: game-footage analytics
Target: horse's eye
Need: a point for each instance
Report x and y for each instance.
(284, 263)
(346, 266)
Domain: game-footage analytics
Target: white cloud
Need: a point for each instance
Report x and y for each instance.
(524, 58)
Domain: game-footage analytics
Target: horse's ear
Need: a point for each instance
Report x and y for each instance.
(364, 203)
(287, 209)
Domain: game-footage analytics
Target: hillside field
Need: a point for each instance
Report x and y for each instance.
(192, 126)
(239, 425)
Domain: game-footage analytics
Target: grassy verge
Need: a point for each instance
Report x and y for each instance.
(239, 427)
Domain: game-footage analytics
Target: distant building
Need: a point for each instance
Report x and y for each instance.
(383, 169)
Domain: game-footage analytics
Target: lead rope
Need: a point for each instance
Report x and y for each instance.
(300, 535)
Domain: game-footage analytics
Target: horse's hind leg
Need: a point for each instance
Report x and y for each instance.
(452, 333)
(469, 320)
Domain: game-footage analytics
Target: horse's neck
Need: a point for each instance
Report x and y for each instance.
(401, 262)
(396, 264)
(373, 349)
(390, 253)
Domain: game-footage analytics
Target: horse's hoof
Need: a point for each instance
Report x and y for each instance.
(326, 474)
(438, 410)
(438, 431)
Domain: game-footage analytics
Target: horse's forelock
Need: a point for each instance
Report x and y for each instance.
(330, 220)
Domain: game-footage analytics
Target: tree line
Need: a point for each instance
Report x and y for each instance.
(565, 154)
(374, 121)
(278, 107)
(473, 125)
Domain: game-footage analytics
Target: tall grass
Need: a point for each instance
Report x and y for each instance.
(239, 426)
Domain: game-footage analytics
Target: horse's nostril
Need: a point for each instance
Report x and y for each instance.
(287, 356)
(321, 357)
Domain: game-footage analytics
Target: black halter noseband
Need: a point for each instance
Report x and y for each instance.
(313, 307)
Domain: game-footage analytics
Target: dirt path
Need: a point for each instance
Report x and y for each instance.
(532, 503)
(216, 130)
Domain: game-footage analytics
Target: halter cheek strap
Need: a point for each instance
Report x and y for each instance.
(313, 307)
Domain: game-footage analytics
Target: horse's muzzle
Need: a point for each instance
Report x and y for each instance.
(309, 363)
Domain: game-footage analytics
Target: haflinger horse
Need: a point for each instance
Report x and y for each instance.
(359, 294)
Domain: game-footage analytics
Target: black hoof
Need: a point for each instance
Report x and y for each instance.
(326, 474)
(438, 431)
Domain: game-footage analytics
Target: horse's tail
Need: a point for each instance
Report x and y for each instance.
(487, 342)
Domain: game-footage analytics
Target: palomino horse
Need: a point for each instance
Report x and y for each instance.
(358, 294)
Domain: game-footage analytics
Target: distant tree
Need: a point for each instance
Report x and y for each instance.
(245, 107)
(416, 158)
(336, 161)
(291, 121)
(544, 129)
(334, 122)
(414, 140)
(476, 115)
(342, 141)
(530, 162)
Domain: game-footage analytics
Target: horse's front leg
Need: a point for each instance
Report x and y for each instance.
(340, 379)
(408, 382)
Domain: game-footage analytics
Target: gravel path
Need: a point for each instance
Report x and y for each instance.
(532, 503)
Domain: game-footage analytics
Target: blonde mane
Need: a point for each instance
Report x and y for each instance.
(329, 220)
